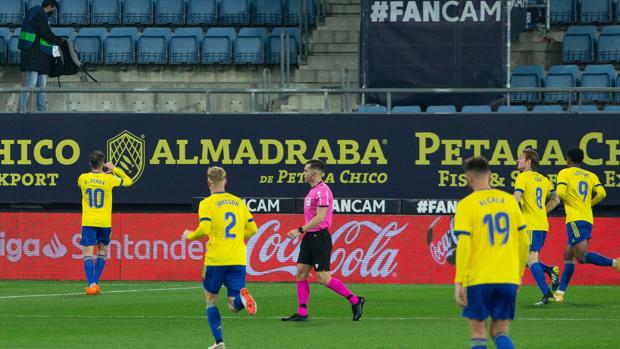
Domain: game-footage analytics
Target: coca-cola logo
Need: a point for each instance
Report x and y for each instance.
(444, 249)
(271, 252)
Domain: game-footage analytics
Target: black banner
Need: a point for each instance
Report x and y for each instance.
(368, 156)
(434, 44)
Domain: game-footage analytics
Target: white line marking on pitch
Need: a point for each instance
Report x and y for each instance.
(106, 292)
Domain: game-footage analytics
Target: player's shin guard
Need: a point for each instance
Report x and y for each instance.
(303, 294)
(338, 287)
(478, 343)
(99, 265)
(503, 341)
(89, 269)
(539, 276)
(597, 259)
(569, 269)
(215, 322)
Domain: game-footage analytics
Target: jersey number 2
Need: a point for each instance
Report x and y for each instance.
(95, 197)
(498, 224)
(230, 225)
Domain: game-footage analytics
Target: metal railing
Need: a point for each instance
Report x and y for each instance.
(253, 93)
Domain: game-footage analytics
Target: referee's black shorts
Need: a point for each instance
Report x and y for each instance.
(316, 250)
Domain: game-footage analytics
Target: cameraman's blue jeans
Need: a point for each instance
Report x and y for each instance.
(33, 79)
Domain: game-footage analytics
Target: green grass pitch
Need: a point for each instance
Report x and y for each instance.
(51, 314)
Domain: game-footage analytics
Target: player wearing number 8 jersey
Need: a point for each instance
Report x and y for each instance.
(490, 257)
(96, 187)
(575, 187)
(227, 222)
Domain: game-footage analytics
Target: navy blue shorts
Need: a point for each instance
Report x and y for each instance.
(538, 240)
(495, 300)
(92, 236)
(578, 231)
(231, 276)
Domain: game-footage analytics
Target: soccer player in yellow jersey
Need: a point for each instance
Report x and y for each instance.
(227, 222)
(532, 191)
(96, 187)
(575, 187)
(490, 256)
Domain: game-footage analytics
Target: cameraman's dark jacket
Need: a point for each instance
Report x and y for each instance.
(35, 42)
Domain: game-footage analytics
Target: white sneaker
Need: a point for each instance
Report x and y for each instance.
(219, 345)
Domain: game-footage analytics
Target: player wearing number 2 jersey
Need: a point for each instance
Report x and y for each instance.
(576, 187)
(490, 256)
(227, 222)
(96, 187)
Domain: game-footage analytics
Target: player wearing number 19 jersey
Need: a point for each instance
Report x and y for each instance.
(227, 222)
(96, 187)
(490, 257)
(575, 187)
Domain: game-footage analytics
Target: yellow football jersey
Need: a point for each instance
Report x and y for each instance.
(226, 220)
(535, 189)
(96, 190)
(575, 187)
(493, 242)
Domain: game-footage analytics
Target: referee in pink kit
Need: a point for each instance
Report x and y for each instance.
(316, 245)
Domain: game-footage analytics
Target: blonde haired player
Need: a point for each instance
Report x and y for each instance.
(96, 187)
(227, 222)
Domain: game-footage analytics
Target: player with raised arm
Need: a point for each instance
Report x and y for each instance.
(96, 187)
(575, 187)
(227, 222)
(532, 191)
(490, 256)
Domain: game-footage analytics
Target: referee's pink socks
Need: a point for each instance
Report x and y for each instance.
(303, 293)
(338, 287)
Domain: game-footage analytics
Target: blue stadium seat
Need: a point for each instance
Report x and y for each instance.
(267, 12)
(152, 50)
(292, 31)
(90, 44)
(201, 12)
(609, 44)
(120, 46)
(260, 32)
(138, 12)
(579, 44)
(249, 50)
(598, 75)
(185, 46)
(67, 33)
(216, 50)
(15, 56)
(595, 12)
(11, 12)
(293, 12)
(563, 11)
(32, 3)
(106, 12)
(476, 109)
(234, 12)
(371, 108)
(441, 109)
(274, 50)
(562, 76)
(512, 109)
(584, 108)
(406, 109)
(170, 12)
(155, 31)
(527, 76)
(5, 38)
(547, 109)
(612, 108)
(74, 12)
(229, 32)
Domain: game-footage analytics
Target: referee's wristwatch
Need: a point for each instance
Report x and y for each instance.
(300, 230)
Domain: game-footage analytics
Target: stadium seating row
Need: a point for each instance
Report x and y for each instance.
(126, 45)
(594, 75)
(583, 44)
(483, 109)
(167, 12)
(582, 11)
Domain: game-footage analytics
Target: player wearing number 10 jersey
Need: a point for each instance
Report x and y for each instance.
(575, 187)
(227, 222)
(96, 187)
(490, 256)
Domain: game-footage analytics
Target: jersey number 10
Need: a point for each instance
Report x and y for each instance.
(95, 197)
(498, 224)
